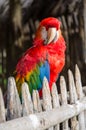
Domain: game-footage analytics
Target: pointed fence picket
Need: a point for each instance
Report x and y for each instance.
(13, 101)
(64, 100)
(2, 108)
(63, 111)
(55, 101)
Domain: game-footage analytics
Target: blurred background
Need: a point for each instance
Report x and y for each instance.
(19, 20)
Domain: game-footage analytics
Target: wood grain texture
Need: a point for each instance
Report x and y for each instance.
(2, 108)
(13, 100)
(27, 105)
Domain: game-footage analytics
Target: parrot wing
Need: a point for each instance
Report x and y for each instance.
(32, 71)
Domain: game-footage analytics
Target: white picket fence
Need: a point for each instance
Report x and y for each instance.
(63, 111)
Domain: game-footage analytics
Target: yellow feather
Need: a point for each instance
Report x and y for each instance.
(28, 75)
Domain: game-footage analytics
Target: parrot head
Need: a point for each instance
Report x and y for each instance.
(48, 31)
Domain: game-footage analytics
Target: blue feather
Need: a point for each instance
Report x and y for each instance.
(44, 71)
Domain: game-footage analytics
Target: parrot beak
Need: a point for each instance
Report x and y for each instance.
(52, 32)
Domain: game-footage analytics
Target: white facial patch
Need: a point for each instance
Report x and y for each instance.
(44, 33)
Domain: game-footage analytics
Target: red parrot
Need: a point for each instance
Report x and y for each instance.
(45, 58)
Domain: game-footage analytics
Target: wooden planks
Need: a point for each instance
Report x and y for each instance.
(64, 111)
(47, 119)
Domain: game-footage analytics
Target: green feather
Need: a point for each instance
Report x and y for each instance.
(30, 87)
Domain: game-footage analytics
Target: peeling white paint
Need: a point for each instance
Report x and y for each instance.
(71, 106)
(79, 105)
(34, 120)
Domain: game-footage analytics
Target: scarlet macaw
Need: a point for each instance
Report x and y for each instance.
(45, 58)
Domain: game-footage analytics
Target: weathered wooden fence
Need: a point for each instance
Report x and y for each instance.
(64, 111)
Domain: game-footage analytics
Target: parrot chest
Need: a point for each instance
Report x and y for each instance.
(56, 61)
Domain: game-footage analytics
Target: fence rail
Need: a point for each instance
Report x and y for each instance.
(63, 111)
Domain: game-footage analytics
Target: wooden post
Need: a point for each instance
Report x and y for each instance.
(47, 104)
(80, 96)
(27, 106)
(73, 99)
(13, 101)
(55, 101)
(36, 102)
(63, 99)
(2, 108)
